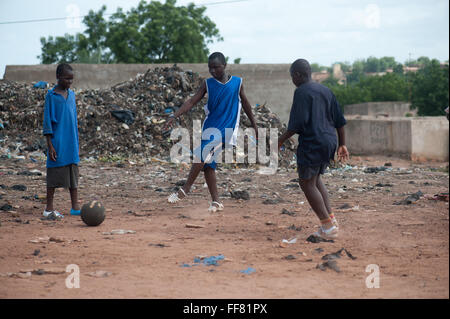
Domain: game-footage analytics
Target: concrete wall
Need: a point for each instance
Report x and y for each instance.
(417, 138)
(430, 138)
(391, 109)
(270, 83)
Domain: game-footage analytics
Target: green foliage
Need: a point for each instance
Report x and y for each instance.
(398, 69)
(316, 67)
(427, 90)
(373, 64)
(430, 89)
(237, 61)
(330, 82)
(420, 62)
(389, 87)
(150, 33)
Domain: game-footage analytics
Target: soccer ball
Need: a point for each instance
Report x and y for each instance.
(93, 213)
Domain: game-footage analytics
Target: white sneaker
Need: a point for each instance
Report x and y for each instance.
(52, 214)
(331, 233)
(335, 223)
(173, 198)
(215, 206)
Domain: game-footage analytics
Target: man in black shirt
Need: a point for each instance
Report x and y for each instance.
(315, 116)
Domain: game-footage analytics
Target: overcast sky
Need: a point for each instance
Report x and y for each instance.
(261, 31)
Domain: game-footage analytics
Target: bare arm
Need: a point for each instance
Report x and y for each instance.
(51, 149)
(188, 104)
(284, 137)
(342, 151)
(248, 110)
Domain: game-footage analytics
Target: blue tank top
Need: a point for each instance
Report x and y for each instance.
(224, 107)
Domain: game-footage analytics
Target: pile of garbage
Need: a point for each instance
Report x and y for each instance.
(124, 121)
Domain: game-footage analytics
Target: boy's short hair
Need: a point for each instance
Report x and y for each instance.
(61, 68)
(219, 56)
(301, 66)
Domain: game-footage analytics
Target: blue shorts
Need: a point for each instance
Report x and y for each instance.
(208, 152)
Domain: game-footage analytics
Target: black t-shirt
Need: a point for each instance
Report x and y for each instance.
(315, 116)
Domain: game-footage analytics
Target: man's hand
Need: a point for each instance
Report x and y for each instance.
(52, 153)
(343, 153)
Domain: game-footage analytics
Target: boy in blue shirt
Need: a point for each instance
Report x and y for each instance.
(315, 116)
(61, 130)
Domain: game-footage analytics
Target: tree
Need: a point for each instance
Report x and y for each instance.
(357, 72)
(59, 49)
(372, 65)
(150, 33)
(398, 69)
(430, 89)
(237, 61)
(315, 67)
(387, 62)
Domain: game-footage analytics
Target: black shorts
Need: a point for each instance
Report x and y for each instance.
(65, 176)
(308, 172)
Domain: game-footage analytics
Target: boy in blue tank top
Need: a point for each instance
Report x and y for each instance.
(225, 98)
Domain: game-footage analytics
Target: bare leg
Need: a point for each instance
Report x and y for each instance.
(314, 197)
(50, 195)
(210, 177)
(74, 198)
(322, 189)
(193, 173)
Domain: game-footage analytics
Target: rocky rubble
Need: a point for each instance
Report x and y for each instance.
(124, 121)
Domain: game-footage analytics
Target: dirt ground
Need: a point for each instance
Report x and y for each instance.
(409, 243)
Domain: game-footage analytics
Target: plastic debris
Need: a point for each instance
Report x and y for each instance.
(284, 211)
(205, 260)
(248, 271)
(332, 264)
(41, 85)
(119, 232)
(410, 199)
(124, 116)
(317, 239)
(240, 194)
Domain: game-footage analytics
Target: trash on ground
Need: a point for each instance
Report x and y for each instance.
(317, 239)
(286, 212)
(248, 271)
(194, 226)
(119, 232)
(238, 194)
(410, 199)
(375, 170)
(441, 196)
(332, 264)
(338, 254)
(100, 273)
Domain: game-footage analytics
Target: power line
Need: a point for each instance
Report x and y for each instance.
(222, 2)
(108, 14)
(48, 19)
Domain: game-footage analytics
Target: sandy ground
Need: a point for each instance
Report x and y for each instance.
(408, 243)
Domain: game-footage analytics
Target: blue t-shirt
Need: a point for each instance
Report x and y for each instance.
(315, 116)
(60, 120)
